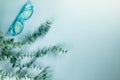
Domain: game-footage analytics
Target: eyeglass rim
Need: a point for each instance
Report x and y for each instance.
(12, 30)
(26, 9)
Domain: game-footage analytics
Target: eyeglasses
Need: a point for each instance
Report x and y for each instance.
(18, 24)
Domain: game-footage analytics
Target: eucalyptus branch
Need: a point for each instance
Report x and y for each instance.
(40, 32)
(43, 75)
(40, 53)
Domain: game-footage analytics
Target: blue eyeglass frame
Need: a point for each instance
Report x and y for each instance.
(20, 19)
